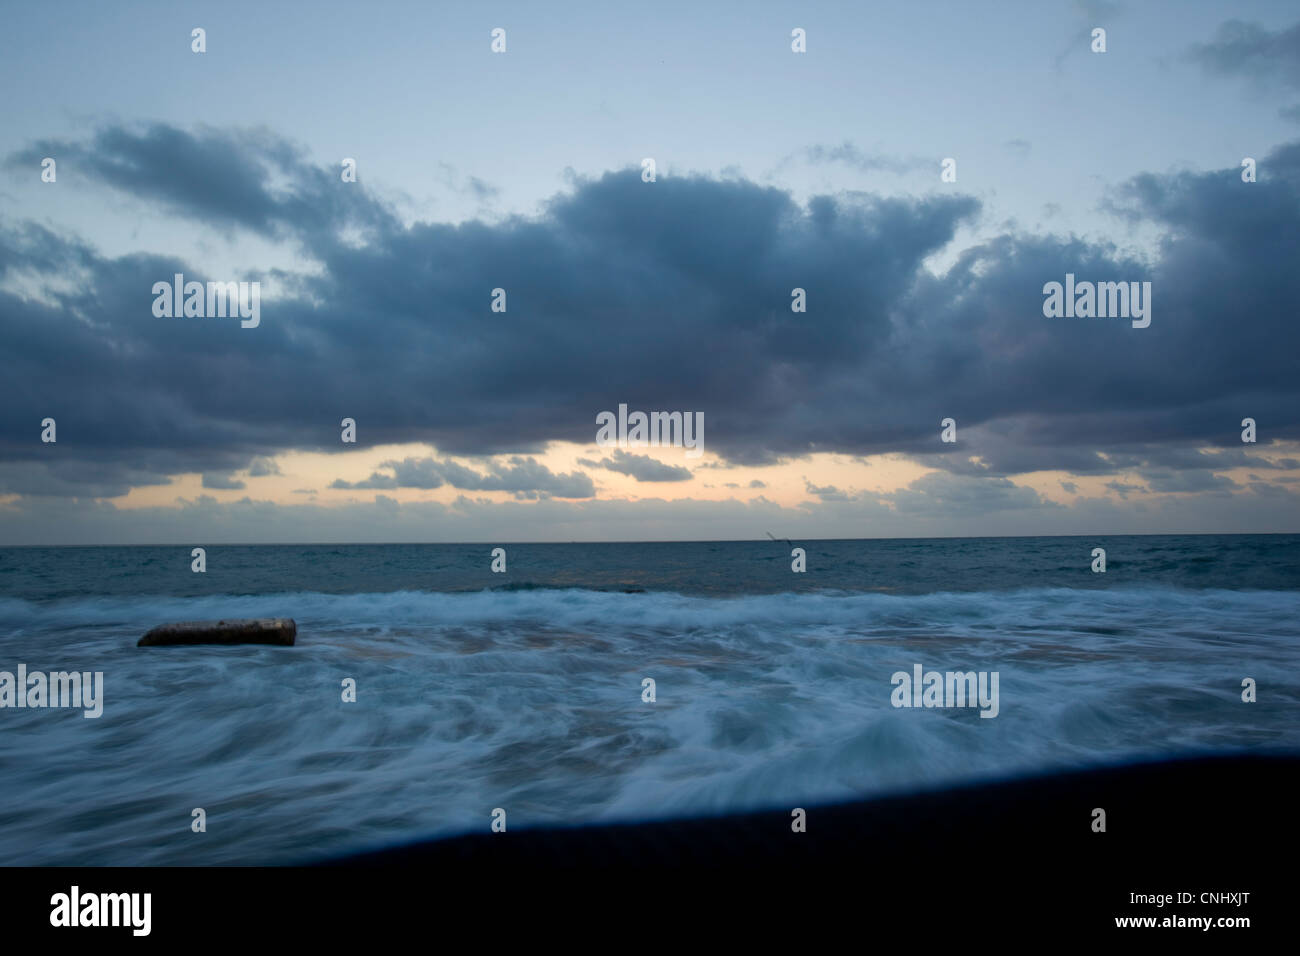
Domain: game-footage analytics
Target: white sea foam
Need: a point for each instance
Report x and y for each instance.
(531, 700)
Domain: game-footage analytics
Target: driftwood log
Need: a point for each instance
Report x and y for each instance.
(262, 630)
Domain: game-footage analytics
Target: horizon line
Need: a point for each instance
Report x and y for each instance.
(498, 542)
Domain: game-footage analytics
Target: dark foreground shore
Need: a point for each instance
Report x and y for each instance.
(1196, 814)
(1006, 860)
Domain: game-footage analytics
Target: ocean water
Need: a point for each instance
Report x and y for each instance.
(523, 690)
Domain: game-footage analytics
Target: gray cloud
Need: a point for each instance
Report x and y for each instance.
(671, 297)
(825, 493)
(225, 482)
(523, 476)
(850, 155)
(223, 177)
(376, 480)
(60, 476)
(943, 506)
(1124, 489)
(939, 494)
(1190, 480)
(640, 467)
(1253, 51)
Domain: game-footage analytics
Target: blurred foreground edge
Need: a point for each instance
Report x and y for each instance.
(1021, 858)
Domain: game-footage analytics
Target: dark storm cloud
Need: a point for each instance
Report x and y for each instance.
(667, 295)
(640, 467)
(63, 477)
(1018, 446)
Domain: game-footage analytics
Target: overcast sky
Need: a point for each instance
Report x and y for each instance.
(522, 170)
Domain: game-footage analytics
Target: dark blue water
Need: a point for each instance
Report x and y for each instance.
(715, 569)
(523, 690)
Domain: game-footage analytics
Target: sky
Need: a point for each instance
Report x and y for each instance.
(523, 170)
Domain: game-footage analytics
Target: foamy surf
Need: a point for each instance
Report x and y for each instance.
(532, 700)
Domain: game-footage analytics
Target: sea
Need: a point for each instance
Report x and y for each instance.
(522, 694)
